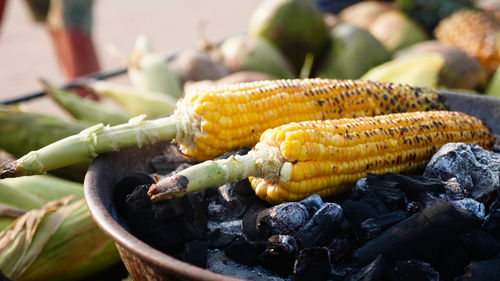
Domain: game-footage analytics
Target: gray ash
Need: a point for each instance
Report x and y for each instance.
(442, 225)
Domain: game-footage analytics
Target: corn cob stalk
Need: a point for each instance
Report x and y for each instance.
(87, 110)
(209, 122)
(153, 104)
(296, 160)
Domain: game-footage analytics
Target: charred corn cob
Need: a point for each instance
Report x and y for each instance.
(475, 32)
(209, 122)
(296, 160)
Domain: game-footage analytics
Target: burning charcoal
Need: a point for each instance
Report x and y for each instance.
(480, 245)
(372, 272)
(194, 252)
(356, 212)
(373, 226)
(420, 236)
(411, 185)
(488, 270)
(170, 160)
(373, 200)
(492, 222)
(221, 234)
(312, 264)
(359, 189)
(279, 255)
(453, 259)
(339, 248)
(242, 252)
(285, 218)
(471, 205)
(319, 230)
(413, 270)
(475, 169)
(312, 203)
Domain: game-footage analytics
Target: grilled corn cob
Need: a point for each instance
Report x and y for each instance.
(475, 32)
(209, 122)
(296, 160)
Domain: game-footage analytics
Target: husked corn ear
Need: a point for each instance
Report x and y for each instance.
(327, 157)
(220, 119)
(475, 32)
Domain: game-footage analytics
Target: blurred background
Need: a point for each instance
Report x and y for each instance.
(27, 52)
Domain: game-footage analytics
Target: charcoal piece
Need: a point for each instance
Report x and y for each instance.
(219, 239)
(242, 251)
(413, 270)
(285, 218)
(125, 186)
(312, 203)
(480, 245)
(170, 160)
(279, 255)
(376, 202)
(420, 236)
(356, 212)
(471, 205)
(195, 253)
(339, 249)
(413, 207)
(249, 223)
(242, 188)
(453, 190)
(487, 270)
(359, 189)
(411, 185)
(492, 221)
(475, 169)
(240, 151)
(319, 230)
(196, 212)
(372, 272)
(393, 197)
(312, 264)
(453, 259)
(373, 226)
(225, 204)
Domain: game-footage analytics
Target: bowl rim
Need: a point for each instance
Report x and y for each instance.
(119, 235)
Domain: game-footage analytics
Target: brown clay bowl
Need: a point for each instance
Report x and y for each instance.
(141, 260)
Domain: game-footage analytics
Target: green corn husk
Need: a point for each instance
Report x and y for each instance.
(22, 132)
(149, 71)
(135, 102)
(493, 88)
(418, 70)
(59, 241)
(87, 110)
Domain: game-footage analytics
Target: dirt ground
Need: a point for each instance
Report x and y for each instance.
(26, 52)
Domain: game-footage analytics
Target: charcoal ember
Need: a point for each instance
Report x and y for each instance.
(373, 226)
(249, 223)
(376, 202)
(487, 270)
(359, 189)
(285, 218)
(420, 236)
(492, 221)
(226, 204)
(170, 160)
(453, 259)
(471, 205)
(411, 185)
(312, 203)
(279, 255)
(312, 264)
(475, 169)
(243, 251)
(340, 249)
(356, 212)
(374, 271)
(221, 234)
(194, 252)
(319, 230)
(413, 270)
(480, 245)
